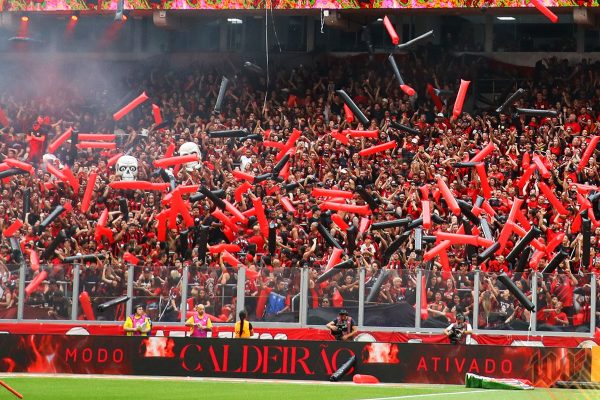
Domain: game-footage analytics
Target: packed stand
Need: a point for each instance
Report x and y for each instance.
(303, 98)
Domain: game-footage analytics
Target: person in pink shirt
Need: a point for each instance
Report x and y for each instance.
(200, 323)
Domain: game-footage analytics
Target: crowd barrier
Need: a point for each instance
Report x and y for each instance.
(288, 359)
(393, 308)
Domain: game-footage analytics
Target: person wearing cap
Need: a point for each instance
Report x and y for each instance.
(200, 323)
(138, 324)
(343, 328)
(459, 330)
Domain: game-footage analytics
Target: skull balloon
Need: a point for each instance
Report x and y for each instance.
(190, 148)
(127, 168)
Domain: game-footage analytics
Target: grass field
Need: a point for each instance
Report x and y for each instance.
(71, 388)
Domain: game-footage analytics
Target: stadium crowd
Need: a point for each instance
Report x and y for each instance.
(303, 98)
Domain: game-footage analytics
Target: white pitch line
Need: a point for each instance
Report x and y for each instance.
(414, 396)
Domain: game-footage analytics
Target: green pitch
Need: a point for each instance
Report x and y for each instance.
(33, 388)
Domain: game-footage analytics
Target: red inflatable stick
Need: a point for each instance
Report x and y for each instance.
(446, 270)
(539, 163)
(103, 218)
(54, 171)
(97, 145)
(526, 160)
(483, 153)
(186, 189)
(588, 153)
(287, 204)
(516, 207)
(177, 160)
(241, 190)
(275, 145)
(130, 107)
(408, 90)
(368, 134)
(156, 113)
(439, 106)
(320, 192)
(352, 208)
(424, 190)
(261, 217)
(13, 228)
(182, 208)
(522, 232)
(447, 195)
(170, 150)
(432, 253)
(335, 258)
(534, 261)
(558, 239)
(130, 258)
(219, 248)
(89, 190)
(339, 221)
(230, 259)
(35, 282)
(71, 179)
(20, 164)
(251, 274)
(242, 175)
(237, 213)
(292, 140)
(348, 114)
(285, 172)
(92, 137)
(364, 224)
(162, 226)
(459, 239)
(523, 220)
(460, 98)
(583, 202)
(34, 260)
(86, 306)
(341, 137)
(545, 10)
(377, 149)
(487, 208)
(337, 200)
(558, 205)
(583, 189)
(483, 179)
(113, 160)
(59, 141)
(139, 185)
(228, 233)
(525, 177)
(218, 214)
(426, 213)
(391, 31)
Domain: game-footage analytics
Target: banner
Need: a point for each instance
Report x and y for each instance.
(294, 333)
(110, 5)
(287, 359)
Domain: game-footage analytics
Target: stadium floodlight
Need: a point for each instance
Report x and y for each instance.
(234, 21)
(506, 18)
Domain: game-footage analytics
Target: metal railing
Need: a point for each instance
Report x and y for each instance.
(483, 302)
